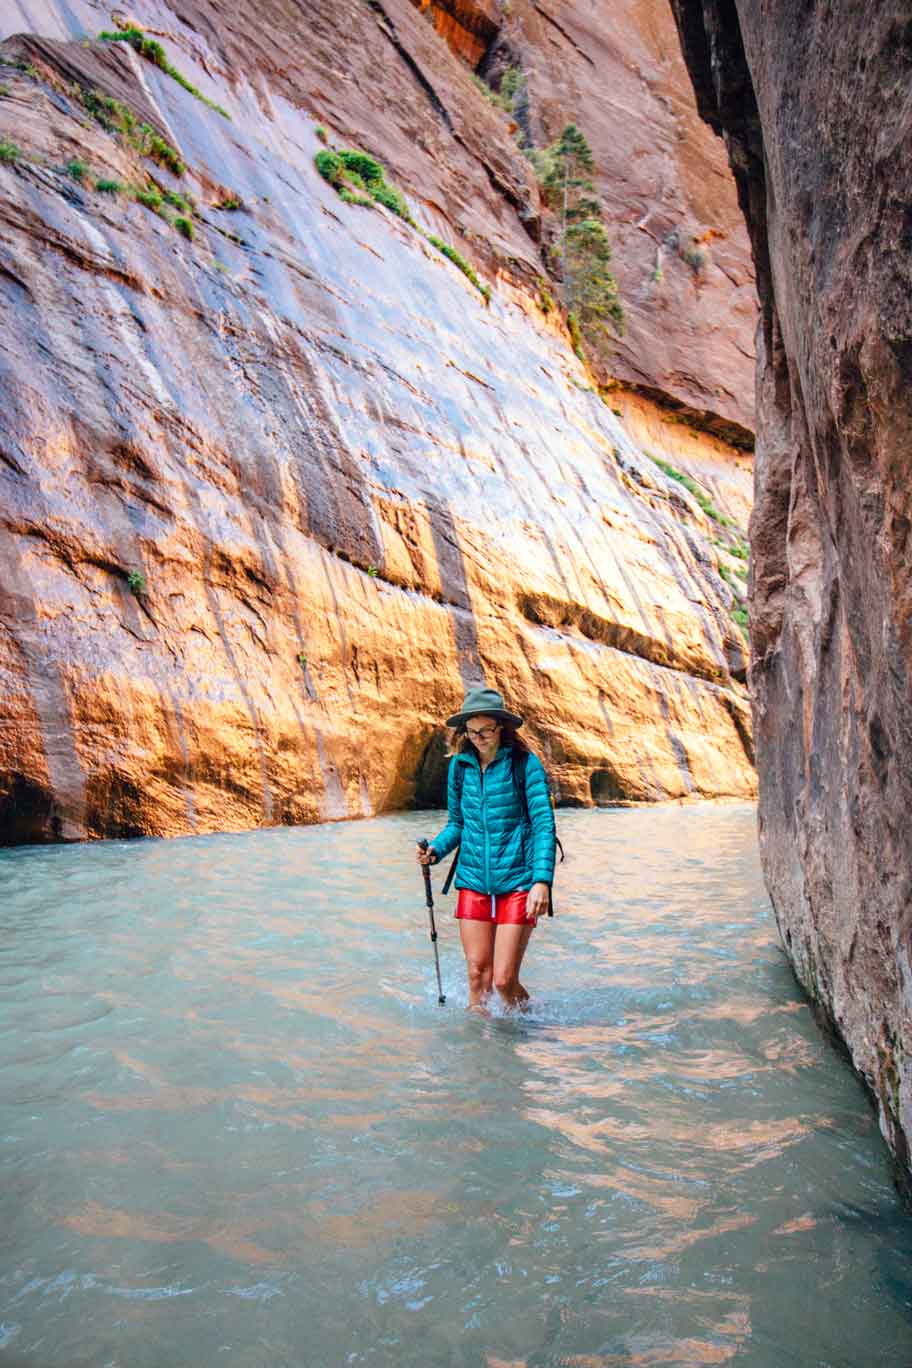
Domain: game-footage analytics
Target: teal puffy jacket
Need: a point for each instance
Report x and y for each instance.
(498, 851)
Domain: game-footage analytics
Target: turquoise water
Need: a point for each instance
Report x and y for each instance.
(236, 1129)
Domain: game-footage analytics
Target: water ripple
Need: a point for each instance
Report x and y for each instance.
(236, 1127)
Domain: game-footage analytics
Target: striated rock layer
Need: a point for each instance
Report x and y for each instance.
(818, 123)
(272, 496)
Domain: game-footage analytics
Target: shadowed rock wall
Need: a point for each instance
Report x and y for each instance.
(814, 105)
(468, 26)
(270, 498)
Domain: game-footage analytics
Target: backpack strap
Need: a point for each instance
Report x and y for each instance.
(519, 761)
(451, 871)
(519, 764)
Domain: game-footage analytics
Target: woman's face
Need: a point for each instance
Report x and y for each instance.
(484, 734)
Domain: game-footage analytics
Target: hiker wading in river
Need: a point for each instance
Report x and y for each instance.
(501, 819)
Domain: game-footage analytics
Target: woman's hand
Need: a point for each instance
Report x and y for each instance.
(537, 901)
(426, 857)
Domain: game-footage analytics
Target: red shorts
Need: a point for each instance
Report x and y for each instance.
(504, 909)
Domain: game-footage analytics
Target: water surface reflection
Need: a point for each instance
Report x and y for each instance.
(236, 1128)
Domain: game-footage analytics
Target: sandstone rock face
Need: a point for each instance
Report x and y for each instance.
(819, 129)
(681, 254)
(468, 26)
(273, 495)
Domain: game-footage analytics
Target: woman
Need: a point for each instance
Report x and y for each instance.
(506, 846)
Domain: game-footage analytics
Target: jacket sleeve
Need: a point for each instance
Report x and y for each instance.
(451, 835)
(541, 817)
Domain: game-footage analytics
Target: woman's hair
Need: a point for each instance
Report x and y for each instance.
(509, 736)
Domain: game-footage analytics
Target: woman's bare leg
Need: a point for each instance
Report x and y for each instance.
(509, 947)
(478, 945)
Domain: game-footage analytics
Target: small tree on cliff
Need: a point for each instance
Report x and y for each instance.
(590, 290)
(567, 167)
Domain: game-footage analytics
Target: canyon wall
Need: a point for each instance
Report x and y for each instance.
(681, 253)
(815, 110)
(278, 481)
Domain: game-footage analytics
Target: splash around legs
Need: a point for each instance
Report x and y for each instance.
(494, 955)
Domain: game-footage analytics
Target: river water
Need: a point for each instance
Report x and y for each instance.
(236, 1128)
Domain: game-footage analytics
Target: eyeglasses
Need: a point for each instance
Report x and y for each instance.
(482, 733)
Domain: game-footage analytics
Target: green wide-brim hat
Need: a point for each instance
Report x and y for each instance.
(487, 702)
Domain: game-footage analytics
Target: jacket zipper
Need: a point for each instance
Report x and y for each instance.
(484, 827)
(484, 822)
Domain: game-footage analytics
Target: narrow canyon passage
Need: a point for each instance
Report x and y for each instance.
(357, 355)
(239, 1130)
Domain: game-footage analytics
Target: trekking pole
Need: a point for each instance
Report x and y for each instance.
(426, 871)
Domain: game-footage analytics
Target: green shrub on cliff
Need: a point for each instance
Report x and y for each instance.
(329, 165)
(137, 582)
(364, 166)
(115, 117)
(702, 498)
(576, 337)
(590, 286)
(183, 203)
(392, 199)
(359, 178)
(582, 250)
(78, 170)
(185, 227)
(731, 578)
(108, 187)
(150, 196)
(545, 297)
(352, 197)
(155, 53)
(512, 87)
(459, 260)
(9, 152)
(149, 144)
(735, 545)
(740, 616)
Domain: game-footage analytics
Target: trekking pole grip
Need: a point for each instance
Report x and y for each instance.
(426, 871)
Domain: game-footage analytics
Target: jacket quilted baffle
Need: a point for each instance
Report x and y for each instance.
(498, 851)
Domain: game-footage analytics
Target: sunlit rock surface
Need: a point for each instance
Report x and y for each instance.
(271, 498)
(819, 128)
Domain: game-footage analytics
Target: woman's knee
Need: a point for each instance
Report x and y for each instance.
(479, 969)
(505, 982)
